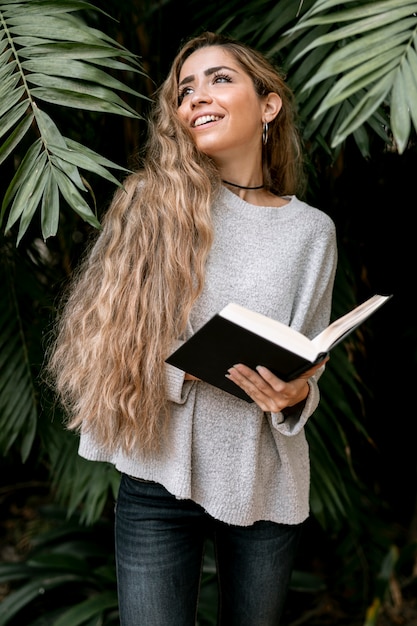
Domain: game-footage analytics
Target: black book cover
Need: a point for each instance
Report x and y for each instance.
(220, 344)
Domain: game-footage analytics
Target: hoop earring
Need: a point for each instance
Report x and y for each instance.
(265, 133)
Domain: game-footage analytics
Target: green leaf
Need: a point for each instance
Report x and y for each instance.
(400, 118)
(48, 561)
(70, 171)
(75, 50)
(48, 129)
(50, 209)
(372, 14)
(54, 67)
(364, 109)
(41, 175)
(8, 84)
(90, 154)
(94, 606)
(410, 77)
(17, 600)
(62, 28)
(13, 141)
(7, 68)
(356, 28)
(12, 117)
(31, 173)
(83, 160)
(19, 178)
(52, 136)
(8, 100)
(74, 198)
(304, 40)
(365, 56)
(18, 409)
(3, 45)
(33, 7)
(362, 141)
(13, 571)
(6, 57)
(355, 82)
(80, 96)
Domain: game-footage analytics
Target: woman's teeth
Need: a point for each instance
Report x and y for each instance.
(204, 119)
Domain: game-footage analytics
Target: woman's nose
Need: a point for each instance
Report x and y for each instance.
(200, 96)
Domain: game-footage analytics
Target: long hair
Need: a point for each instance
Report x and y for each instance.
(131, 296)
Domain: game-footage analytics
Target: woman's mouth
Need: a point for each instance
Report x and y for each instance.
(205, 119)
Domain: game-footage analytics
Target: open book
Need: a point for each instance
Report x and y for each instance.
(238, 335)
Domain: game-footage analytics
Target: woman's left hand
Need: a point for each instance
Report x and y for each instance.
(268, 391)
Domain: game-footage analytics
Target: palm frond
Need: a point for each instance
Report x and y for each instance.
(50, 56)
(65, 558)
(81, 485)
(371, 63)
(18, 398)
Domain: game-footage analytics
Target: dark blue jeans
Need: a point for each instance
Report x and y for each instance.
(159, 554)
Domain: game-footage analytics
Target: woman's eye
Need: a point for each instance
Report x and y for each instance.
(184, 92)
(219, 78)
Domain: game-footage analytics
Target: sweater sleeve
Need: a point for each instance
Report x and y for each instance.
(312, 314)
(291, 424)
(177, 388)
(318, 262)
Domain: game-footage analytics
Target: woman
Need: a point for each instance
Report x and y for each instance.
(210, 218)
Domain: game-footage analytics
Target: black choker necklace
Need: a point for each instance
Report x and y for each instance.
(241, 186)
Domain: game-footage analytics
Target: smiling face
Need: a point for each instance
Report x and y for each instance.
(218, 103)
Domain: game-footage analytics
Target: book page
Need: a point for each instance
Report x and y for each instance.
(338, 329)
(270, 329)
(296, 342)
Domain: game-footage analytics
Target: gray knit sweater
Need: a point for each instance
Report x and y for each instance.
(237, 462)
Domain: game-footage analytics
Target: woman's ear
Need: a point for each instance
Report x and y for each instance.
(272, 106)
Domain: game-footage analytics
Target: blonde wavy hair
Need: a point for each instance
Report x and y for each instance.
(131, 296)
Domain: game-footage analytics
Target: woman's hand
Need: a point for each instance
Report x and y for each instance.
(268, 391)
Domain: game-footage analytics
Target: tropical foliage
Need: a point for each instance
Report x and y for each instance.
(72, 99)
(63, 70)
